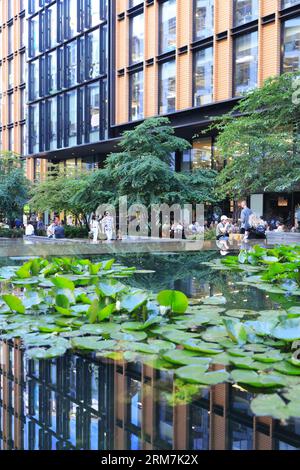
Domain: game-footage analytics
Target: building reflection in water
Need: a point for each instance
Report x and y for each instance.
(77, 402)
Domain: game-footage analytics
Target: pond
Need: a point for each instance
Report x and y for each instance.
(85, 401)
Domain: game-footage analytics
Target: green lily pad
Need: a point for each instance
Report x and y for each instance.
(288, 330)
(200, 346)
(270, 405)
(287, 368)
(253, 379)
(198, 374)
(183, 357)
(129, 336)
(215, 300)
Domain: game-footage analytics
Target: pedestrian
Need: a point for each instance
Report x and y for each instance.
(59, 230)
(107, 225)
(18, 223)
(94, 228)
(257, 229)
(245, 214)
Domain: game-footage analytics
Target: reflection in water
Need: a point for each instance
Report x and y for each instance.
(78, 402)
(84, 402)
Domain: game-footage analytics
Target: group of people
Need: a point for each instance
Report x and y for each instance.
(56, 229)
(250, 225)
(102, 225)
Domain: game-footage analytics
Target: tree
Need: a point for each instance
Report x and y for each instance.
(260, 139)
(142, 171)
(14, 186)
(56, 193)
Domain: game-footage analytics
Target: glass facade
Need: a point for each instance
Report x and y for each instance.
(136, 96)
(68, 62)
(289, 3)
(203, 76)
(245, 63)
(245, 11)
(291, 45)
(167, 87)
(167, 26)
(136, 38)
(203, 18)
(199, 157)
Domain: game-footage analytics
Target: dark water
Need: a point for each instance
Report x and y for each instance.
(85, 402)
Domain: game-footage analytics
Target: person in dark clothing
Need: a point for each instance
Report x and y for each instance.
(18, 223)
(59, 230)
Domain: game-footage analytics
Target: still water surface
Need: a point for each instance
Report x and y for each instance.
(85, 402)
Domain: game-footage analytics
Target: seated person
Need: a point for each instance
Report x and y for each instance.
(257, 230)
(223, 228)
(59, 230)
(29, 230)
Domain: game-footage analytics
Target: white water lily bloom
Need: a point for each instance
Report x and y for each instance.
(118, 305)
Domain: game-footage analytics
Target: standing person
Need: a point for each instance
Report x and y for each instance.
(245, 215)
(59, 230)
(94, 228)
(107, 225)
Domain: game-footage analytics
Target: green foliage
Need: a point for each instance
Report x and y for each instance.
(14, 186)
(11, 233)
(259, 140)
(141, 171)
(76, 231)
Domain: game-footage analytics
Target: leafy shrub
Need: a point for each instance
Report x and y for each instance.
(210, 234)
(76, 231)
(11, 233)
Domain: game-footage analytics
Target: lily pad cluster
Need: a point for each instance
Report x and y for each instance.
(69, 304)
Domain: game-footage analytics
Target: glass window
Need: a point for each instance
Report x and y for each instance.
(10, 39)
(52, 119)
(167, 29)
(22, 68)
(52, 25)
(291, 45)
(52, 72)
(71, 17)
(71, 64)
(245, 11)
(136, 96)
(11, 139)
(246, 61)
(10, 66)
(34, 36)
(72, 117)
(203, 76)
(204, 19)
(34, 79)
(22, 32)
(93, 122)
(104, 113)
(94, 12)
(10, 108)
(33, 6)
(34, 128)
(201, 154)
(9, 9)
(22, 104)
(136, 38)
(289, 3)
(23, 139)
(93, 54)
(104, 50)
(134, 3)
(167, 87)
(60, 67)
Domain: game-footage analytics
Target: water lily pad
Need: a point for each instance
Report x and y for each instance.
(183, 357)
(270, 405)
(253, 379)
(240, 313)
(236, 330)
(268, 356)
(198, 374)
(177, 301)
(214, 334)
(287, 368)
(92, 343)
(288, 330)
(200, 346)
(129, 336)
(215, 300)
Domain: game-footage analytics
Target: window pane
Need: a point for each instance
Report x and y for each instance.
(11, 108)
(72, 117)
(167, 26)
(202, 154)
(52, 113)
(34, 77)
(204, 18)
(22, 68)
(136, 94)
(137, 39)
(93, 54)
(245, 11)
(203, 78)
(289, 3)
(167, 87)
(52, 22)
(246, 60)
(134, 3)
(71, 63)
(52, 72)
(10, 40)
(34, 36)
(94, 112)
(291, 45)
(10, 74)
(71, 17)
(34, 128)
(94, 12)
